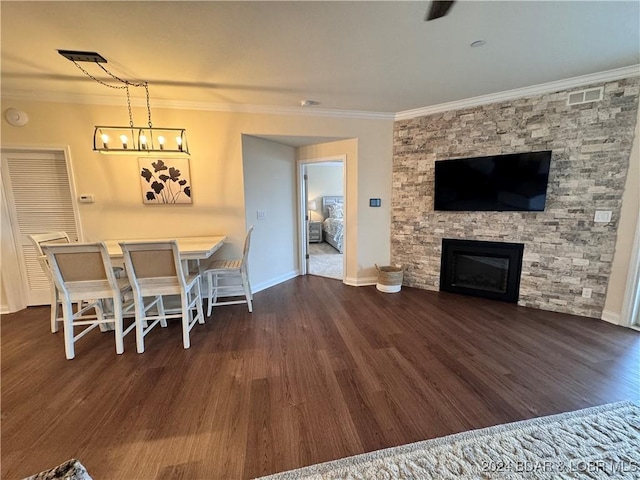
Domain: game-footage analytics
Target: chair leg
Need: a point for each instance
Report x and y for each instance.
(104, 305)
(161, 312)
(199, 304)
(210, 293)
(117, 316)
(186, 313)
(54, 309)
(139, 308)
(247, 291)
(216, 284)
(67, 313)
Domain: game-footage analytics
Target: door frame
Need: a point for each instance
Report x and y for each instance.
(631, 299)
(302, 210)
(16, 298)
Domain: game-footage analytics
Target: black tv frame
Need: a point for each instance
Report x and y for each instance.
(493, 199)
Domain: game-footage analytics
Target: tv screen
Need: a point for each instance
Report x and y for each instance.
(515, 182)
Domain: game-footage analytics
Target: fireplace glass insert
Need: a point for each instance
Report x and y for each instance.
(485, 269)
(481, 272)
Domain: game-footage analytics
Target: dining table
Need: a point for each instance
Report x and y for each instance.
(190, 248)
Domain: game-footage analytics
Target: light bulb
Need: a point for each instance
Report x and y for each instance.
(123, 139)
(105, 140)
(179, 142)
(161, 142)
(143, 142)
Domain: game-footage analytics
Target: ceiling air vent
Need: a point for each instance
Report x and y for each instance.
(585, 96)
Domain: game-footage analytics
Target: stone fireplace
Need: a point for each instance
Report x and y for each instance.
(483, 269)
(565, 250)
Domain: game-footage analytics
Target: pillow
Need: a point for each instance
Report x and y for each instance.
(336, 210)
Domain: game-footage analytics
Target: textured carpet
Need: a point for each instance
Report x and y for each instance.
(598, 442)
(325, 261)
(69, 470)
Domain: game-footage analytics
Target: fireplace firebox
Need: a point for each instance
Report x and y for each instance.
(483, 269)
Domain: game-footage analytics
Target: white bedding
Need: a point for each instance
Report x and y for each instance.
(334, 228)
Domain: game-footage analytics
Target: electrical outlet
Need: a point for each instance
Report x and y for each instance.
(602, 216)
(586, 292)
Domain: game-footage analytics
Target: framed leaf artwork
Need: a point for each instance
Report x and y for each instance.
(165, 181)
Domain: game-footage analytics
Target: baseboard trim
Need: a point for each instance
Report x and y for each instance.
(275, 281)
(611, 317)
(4, 309)
(360, 282)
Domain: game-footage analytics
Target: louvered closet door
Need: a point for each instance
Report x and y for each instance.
(39, 200)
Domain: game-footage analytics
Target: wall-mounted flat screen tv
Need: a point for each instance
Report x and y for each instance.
(515, 182)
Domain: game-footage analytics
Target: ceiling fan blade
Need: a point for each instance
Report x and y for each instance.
(439, 8)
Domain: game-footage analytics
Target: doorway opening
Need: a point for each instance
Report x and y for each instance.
(631, 302)
(323, 196)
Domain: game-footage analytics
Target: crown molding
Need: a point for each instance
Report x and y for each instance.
(542, 88)
(62, 97)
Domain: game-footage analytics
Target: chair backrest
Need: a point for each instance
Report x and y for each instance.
(152, 260)
(245, 250)
(40, 239)
(81, 268)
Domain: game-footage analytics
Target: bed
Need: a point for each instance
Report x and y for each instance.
(333, 224)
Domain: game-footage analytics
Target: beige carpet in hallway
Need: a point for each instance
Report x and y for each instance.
(325, 261)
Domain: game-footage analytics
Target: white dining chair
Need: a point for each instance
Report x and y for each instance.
(38, 240)
(229, 278)
(155, 271)
(83, 274)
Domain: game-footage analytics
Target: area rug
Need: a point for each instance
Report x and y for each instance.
(598, 442)
(325, 261)
(69, 470)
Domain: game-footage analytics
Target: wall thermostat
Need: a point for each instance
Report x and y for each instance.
(374, 202)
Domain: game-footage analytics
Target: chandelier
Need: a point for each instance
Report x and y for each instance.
(129, 139)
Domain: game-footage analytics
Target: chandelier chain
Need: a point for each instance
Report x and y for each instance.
(146, 89)
(121, 80)
(125, 86)
(129, 107)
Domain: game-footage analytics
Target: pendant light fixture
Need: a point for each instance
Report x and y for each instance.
(129, 139)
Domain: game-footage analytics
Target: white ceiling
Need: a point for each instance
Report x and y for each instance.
(360, 56)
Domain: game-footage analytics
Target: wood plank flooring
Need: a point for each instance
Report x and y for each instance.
(318, 372)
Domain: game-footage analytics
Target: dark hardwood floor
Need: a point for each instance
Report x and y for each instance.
(318, 372)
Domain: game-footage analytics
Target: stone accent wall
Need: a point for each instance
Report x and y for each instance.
(564, 249)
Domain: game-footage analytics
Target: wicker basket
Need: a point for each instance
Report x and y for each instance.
(389, 278)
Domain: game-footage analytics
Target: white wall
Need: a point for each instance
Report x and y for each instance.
(269, 171)
(324, 179)
(215, 141)
(217, 179)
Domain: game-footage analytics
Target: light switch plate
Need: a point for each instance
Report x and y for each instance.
(602, 216)
(261, 215)
(586, 292)
(87, 198)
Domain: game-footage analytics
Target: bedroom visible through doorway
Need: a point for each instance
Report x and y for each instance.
(325, 204)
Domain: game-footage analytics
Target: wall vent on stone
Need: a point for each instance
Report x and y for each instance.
(585, 96)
